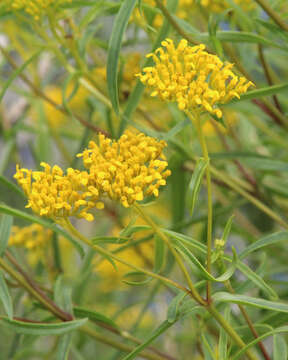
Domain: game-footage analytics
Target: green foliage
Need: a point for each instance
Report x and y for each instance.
(162, 279)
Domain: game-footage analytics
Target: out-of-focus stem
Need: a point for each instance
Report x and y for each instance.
(209, 197)
(277, 19)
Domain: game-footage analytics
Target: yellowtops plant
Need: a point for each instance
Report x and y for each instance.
(35, 8)
(192, 77)
(128, 169)
(55, 195)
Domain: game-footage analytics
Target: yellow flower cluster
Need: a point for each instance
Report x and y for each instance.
(192, 77)
(127, 169)
(221, 5)
(124, 170)
(51, 193)
(35, 8)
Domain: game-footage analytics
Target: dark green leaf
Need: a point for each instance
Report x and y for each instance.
(251, 301)
(173, 308)
(30, 328)
(265, 241)
(195, 182)
(5, 229)
(94, 316)
(115, 42)
(5, 297)
(279, 348)
(161, 329)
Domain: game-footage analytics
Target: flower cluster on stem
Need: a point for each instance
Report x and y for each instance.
(192, 77)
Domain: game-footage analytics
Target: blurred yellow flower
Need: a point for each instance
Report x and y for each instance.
(183, 10)
(193, 78)
(55, 195)
(34, 238)
(126, 170)
(55, 117)
(221, 5)
(35, 8)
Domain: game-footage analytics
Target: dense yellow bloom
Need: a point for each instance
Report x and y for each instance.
(128, 169)
(221, 5)
(35, 8)
(192, 77)
(34, 238)
(51, 193)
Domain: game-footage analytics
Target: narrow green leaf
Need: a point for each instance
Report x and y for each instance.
(173, 308)
(34, 219)
(257, 280)
(115, 42)
(209, 354)
(195, 244)
(195, 182)
(265, 241)
(138, 282)
(279, 348)
(250, 301)
(5, 229)
(266, 91)
(16, 73)
(30, 328)
(11, 186)
(223, 339)
(161, 329)
(137, 92)
(282, 329)
(63, 294)
(191, 258)
(110, 239)
(63, 347)
(227, 228)
(94, 316)
(5, 297)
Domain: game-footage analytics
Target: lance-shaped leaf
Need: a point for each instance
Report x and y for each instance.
(30, 328)
(5, 229)
(115, 42)
(195, 182)
(5, 297)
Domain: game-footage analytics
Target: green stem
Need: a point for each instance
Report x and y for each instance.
(165, 326)
(228, 328)
(123, 347)
(36, 293)
(209, 197)
(218, 174)
(277, 19)
(178, 258)
(107, 253)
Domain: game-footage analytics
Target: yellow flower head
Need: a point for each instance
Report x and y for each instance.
(127, 169)
(192, 77)
(35, 8)
(52, 194)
